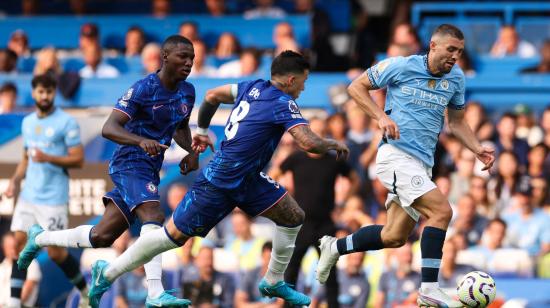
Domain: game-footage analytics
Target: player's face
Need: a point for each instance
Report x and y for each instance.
(297, 84)
(179, 60)
(447, 50)
(43, 97)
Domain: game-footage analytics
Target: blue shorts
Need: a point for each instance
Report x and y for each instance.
(205, 205)
(132, 188)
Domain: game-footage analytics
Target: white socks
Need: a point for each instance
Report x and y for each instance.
(283, 247)
(78, 237)
(142, 251)
(429, 285)
(153, 269)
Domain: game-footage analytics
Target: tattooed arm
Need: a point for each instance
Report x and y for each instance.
(308, 141)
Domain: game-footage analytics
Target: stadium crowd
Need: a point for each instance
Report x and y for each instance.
(501, 220)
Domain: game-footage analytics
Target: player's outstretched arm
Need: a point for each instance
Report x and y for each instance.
(359, 91)
(308, 141)
(464, 133)
(114, 130)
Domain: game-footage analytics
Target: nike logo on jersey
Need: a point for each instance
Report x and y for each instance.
(155, 107)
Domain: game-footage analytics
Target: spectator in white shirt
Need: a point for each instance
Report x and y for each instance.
(95, 68)
(510, 44)
(265, 9)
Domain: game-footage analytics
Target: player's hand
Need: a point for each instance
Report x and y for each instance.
(152, 147)
(201, 142)
(189, 163)
(38, 156)
(13, 189)
(342, 150)
(388, 127)
(487, 156)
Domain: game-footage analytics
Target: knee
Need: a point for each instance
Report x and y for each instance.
(101, 239)
(443, 216)
(392, 239)
(57, 254)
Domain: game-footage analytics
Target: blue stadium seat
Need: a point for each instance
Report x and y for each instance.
(10, 126)
(488, 65)
(534, 29)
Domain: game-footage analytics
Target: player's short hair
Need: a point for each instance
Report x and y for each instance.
(447, 29)
(174, 40)
(45, 80)
(288, 62)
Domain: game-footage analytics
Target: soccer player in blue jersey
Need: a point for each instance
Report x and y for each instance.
(52, 145)
(420, 89)
(144, 121)
(263, 110)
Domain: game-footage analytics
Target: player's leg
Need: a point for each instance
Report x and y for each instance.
(303, 242)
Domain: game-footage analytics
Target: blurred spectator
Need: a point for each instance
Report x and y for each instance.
(399, 284)
(337, 127)
(8, 61)
(508, 178)
(161, 8)
(507, 140)
(208, 287)
(283, 38)
(200, 68)
(460, 179)
(29, 7)
(265, 9)
(247, 294)
(131, 289)
(314, 178)
(29, 293)
(19, 43)
(399, 50)
(509, 43)
(468, 221)
(536, 159)
(189, 30)
(175, 194)
(451, 273)
(353, 215)
(151, 58)
(227, 46)
(478, 192)
(246, 247)
(89, 36)
(95, 67)
(247, 64)
(135, 40)
(477, 119)
(8, 97)
(78, 7)
(354, 284)
(527, 128)
(528, 228)
(405, 35)
(215, 7)
(540, 191)
(48, 63)
(545, 124)
(465, 63)
(544, 66)
(361, 140)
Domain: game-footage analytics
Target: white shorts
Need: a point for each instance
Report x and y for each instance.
(49, 217)
(406, 177)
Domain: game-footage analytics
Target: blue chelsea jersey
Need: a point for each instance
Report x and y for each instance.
(154, 113)
(260, 116)
(416, 101)
(46, 183)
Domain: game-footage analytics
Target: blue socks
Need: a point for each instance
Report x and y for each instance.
(431, 246)
(366, 238)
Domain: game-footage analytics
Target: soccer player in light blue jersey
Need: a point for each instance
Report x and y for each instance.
(263, 110)
(52, 145)
(420, 89)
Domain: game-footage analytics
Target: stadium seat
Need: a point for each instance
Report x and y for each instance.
(533, 29)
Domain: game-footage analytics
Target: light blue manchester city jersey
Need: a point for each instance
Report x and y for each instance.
(46, 183)
(416, 101)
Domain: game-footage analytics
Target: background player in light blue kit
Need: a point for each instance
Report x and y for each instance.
(144, 121)
(263, 111)
(419, 91)
(51, 146)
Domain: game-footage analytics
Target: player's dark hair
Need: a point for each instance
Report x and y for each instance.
(447, 29)
(45, 80)
(288, 62)
(174, 40)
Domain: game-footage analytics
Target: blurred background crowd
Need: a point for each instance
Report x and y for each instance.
(501, 221)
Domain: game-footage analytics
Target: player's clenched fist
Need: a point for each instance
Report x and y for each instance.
(152, 147)
(189, 163)
(388, 127)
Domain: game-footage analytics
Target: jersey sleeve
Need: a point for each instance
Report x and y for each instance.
(129, 103)
(457, 102)
(287, 113)
(385, 72)
(72, 133)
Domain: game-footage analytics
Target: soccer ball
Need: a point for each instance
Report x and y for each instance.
(476, 289)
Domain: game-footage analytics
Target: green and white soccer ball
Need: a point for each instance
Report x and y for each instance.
(476, 289)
